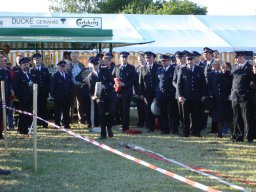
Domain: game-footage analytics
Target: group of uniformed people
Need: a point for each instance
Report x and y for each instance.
(181, 88)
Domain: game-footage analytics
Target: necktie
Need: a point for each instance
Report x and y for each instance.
(27, 75)
(63, 75)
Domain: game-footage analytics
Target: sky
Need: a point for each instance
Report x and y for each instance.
(215, 7)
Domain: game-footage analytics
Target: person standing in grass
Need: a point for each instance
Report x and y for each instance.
(165, 96)
(61, 90)
(125, 80)
(22, 85)
(106, 99)
(4, 76)
(219, 88)
(191, 91)
(139, 101)
(147, 87)
(41, 76)
(242, 97)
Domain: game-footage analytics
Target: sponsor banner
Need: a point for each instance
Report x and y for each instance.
(51, 22)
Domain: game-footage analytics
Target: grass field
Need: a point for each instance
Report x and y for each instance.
(69, 164)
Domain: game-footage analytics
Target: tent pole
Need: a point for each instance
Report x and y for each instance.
(100, 48)
(42, 51)
(110, 48)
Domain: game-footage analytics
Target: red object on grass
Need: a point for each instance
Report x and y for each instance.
(133, 131)
(156, 123)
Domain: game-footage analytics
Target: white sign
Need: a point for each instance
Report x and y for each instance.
(50, 22)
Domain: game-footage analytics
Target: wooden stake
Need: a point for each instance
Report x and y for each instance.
(4, 113)
(35, 92)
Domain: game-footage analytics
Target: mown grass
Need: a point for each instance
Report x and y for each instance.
(69, 164)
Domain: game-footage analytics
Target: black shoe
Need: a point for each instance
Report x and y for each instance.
(5, 172)
(233, 137)
(110, 134)
(239, 139)
(219, 135)
(1, 136)
(102, 137)
(124, 130)
(213, 132)
(140, 124)
(150, 131)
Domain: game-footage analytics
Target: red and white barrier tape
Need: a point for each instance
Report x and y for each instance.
(136, 160)
(224, 175)
(161, 157)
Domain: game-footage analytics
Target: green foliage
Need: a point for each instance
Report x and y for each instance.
(172, 7)
(184, 7)
(73, 6)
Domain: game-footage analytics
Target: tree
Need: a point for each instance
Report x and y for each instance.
(73, 6)
(172, 7)
(183, 7)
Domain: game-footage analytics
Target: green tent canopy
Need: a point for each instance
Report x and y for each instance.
(24, 36)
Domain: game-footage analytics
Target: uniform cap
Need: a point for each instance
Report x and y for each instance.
(94, 60)
(165, 57)
(208, 50)
(61, 63)
(36, 55)
(124, 54)
(196, 54)
(24, 60)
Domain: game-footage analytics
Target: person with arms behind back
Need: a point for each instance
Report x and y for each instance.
(61, 90)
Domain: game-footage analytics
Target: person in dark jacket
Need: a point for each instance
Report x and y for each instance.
(41, 76)
(61, 90)
(191, 91)
(165, 96)
(124, 82)
(22, 85)
(241, 97)
(139, 100)
(147, 87)
(4, 76)
(219, 88)
(105, 97)
(86, 94)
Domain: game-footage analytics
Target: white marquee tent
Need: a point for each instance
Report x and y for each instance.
(179, 32)
(175, 32)
(169, 33)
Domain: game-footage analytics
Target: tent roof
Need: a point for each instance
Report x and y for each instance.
(170, 33)
(238, 31)
(116, 30)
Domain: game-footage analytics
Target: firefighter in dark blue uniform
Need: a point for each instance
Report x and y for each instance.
(241, 97)
(41, 76)
(4, 76)
(198, 62)
(107, 97)
(165, 96)
(147, 87)
(22, 85)
(124, 83)
(181, 62)
(139, 99)
(208, 56)
(219, 84)
(191, 90)
(61, 90)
